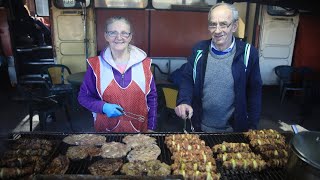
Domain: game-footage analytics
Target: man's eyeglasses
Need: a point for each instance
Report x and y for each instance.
(114, 34)
(222, 26)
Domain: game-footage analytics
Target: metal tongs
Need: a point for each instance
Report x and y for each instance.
(294, 129)
(131, 115)
(185, 125)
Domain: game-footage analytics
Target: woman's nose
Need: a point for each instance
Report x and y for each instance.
(118, 36)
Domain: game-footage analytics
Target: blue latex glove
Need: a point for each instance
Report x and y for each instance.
(112, 110)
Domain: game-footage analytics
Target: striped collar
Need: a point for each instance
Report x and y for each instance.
(217, 52)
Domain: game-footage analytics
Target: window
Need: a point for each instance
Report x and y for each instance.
(121, 3)
(70, 3)
(42, 7)
(279, 11)
(184, 4)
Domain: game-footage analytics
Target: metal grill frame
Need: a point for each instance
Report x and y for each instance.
(81, 167)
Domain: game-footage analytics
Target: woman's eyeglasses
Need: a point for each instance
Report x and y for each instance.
(114, 34)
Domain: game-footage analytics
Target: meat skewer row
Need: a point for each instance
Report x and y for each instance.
(277, 162)
(32, 144)
(195, 166)
(19, 161)
(269, 147)
(197, 175)
(12, 173)
(185, 142)
(266, 136)
(259, 142)
(31, 141)
(275, 154)
(185, 147)
(198, 153)
(245, 164)
(177, 137)
(59, 165)
(261, 131)
(36, 162)
(238, 155)
(194, 159)
(231, 147)
(27, 152)
(188, 147)
(267, 133)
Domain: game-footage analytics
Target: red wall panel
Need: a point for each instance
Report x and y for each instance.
(173, 33)
(138, 19)
(5, 33)
(306, 51)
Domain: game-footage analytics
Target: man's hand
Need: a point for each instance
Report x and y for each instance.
(184, 111)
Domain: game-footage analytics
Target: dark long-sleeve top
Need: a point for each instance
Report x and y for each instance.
(247, 85)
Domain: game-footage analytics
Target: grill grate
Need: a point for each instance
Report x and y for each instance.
(81, 166)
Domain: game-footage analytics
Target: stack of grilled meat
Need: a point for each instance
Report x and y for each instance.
(192, 158)
(271, 145)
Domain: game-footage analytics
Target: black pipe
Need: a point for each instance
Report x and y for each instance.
(256, 19)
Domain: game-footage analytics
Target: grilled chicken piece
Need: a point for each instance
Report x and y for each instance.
(245, 164)
(226, 147)
(238, 155)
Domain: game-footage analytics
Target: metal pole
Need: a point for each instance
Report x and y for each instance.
(84, 9)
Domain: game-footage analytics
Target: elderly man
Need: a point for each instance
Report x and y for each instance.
(221, 85)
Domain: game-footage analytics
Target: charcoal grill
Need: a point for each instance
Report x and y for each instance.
(81, 167)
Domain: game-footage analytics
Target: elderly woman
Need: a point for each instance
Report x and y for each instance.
(118, 86)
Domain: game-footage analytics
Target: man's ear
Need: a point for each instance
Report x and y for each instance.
(235, 26)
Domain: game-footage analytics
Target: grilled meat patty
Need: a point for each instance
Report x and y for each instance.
(85, 139)
(114, 150)
(105, 167)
